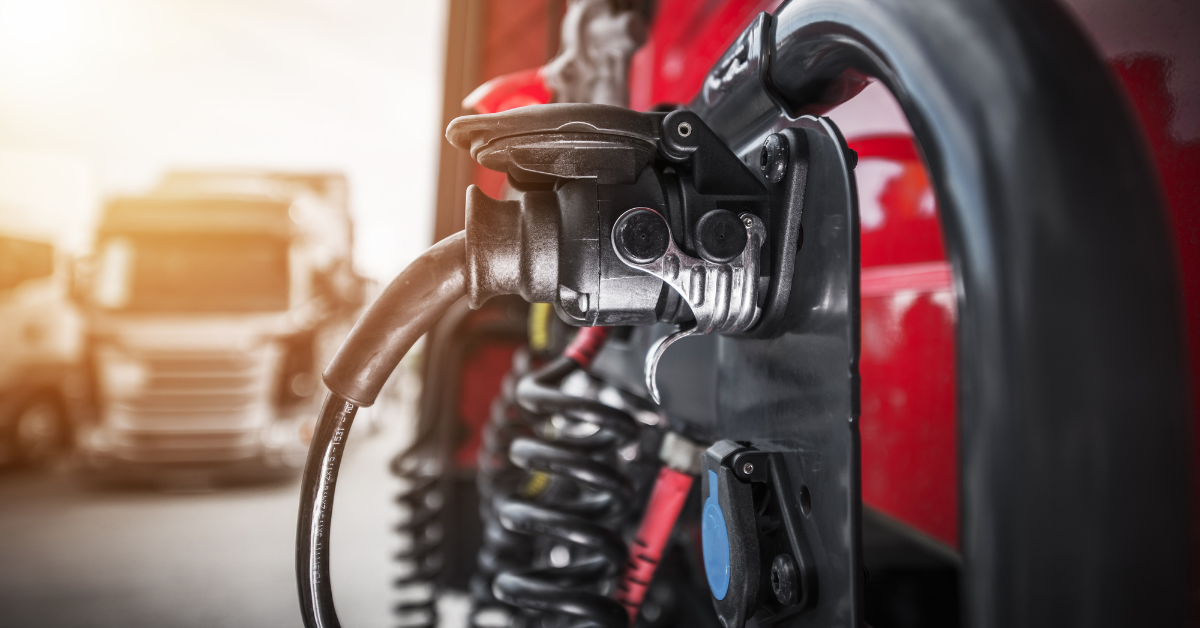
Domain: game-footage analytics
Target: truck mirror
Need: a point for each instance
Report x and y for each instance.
(24, 260)
(78, 271)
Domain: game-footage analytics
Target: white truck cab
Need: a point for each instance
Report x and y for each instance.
(212, 303)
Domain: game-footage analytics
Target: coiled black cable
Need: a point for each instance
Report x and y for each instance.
(421, 501)
(497, 478)
(571, 502)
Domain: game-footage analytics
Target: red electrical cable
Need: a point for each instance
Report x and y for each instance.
(670, 492)
(586, 344)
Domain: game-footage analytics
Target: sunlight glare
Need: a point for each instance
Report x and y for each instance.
(37, 35)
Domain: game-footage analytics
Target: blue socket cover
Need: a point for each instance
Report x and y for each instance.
(715, 537)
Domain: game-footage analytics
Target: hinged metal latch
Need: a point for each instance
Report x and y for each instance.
(721, 290)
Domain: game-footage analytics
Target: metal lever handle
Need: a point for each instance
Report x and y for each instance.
(723, 295)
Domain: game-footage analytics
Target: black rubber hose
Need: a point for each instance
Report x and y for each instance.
(590, 609)
(538, 393)
(316, 511)
(408, 307)
(587, 519)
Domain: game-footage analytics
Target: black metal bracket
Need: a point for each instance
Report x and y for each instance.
(790, 387)
(797, 392)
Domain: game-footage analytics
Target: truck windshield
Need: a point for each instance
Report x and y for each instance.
(192, 273)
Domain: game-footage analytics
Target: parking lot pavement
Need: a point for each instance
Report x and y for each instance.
(74, 555)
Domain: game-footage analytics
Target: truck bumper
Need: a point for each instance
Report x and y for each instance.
(277, 450)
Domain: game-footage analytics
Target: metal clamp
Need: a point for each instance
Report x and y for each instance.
(723, 295)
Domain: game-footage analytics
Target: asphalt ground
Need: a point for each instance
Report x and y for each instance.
(190, 554)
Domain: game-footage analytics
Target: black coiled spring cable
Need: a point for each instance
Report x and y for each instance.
(571, 502)
(421, 500)
(497, 477)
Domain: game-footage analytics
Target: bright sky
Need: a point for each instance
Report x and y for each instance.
(99, 97)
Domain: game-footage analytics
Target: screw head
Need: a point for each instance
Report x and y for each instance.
(773, 159)
(684, 129)
(748, 468)
(785, 580)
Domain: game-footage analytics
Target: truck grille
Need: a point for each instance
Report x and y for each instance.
(196, 406)
(222, 389)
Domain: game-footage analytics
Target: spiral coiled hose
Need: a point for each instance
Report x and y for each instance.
(421, 501)
(568, 505)
(497, 477)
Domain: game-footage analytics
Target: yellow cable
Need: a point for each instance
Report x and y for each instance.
(539, 325)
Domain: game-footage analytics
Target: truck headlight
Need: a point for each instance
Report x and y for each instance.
(122, 375)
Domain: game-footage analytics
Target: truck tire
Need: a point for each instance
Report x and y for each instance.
(40, 431)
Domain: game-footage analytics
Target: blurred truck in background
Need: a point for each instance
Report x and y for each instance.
(211, 304)
(41, 383)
